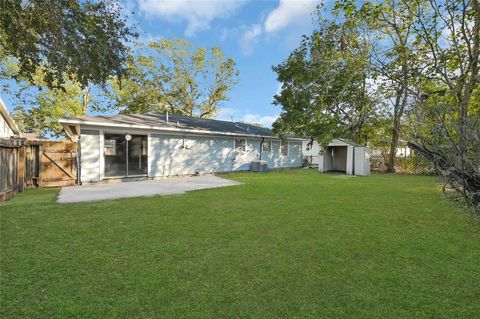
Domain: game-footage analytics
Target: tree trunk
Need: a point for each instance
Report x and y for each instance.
(399, 108)
(393, 147)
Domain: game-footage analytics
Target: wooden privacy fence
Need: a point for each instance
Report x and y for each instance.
(37, 163)
(12, 171)
(58, 163)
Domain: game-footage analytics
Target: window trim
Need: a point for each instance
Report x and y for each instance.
(244, 145)
(263, 145)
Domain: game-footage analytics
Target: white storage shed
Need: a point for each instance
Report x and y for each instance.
(345, 156)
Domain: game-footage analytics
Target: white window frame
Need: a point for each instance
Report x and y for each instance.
(263, 146)
(284, 143)
(244, 145)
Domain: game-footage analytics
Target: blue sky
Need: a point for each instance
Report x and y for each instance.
(255, 33)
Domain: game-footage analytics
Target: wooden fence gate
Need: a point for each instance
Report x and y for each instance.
(57, 163)
(36, 163)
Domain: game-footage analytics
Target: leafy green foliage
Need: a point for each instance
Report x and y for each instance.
(325, 91)
(389, 26)
(173, 75)
(85, 41)
(446, 114)
(45, 105)
(49, 105)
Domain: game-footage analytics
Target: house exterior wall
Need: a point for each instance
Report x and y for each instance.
(90, 158)
(174, 154)
(178, 155)
(276, 160)
(312, 152)
(5, 130)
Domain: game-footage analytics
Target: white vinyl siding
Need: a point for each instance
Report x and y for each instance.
(90, 156)
(283, 148)
(171, 155)
(5, 130)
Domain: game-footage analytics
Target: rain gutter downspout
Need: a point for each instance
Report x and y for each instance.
(261, 147)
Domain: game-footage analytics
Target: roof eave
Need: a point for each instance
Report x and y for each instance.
(66, 122)
(8, 118)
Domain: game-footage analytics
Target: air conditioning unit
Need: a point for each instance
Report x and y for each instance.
(259, 166)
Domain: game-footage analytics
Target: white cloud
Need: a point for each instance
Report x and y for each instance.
(197, 13)
(249, 38)
(264, 120)
(288, 12)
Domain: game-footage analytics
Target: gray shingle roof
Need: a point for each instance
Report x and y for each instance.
(175, 122)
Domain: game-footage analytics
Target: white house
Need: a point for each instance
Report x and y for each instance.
(155, 145)
(8, 128)
(402, 150)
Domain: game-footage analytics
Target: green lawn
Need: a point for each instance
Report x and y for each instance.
(284, 244)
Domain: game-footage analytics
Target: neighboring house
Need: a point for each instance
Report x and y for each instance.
(8, 128)
(154, 145)
(402, 150)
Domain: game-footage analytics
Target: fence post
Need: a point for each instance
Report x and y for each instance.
(40, 164)
(21, 168)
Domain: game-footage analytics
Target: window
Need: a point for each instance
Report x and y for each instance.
(240, 144)
(284, 148)
(125, 157)
(267, 146)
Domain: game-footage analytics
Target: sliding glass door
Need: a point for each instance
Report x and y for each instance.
(125, 155)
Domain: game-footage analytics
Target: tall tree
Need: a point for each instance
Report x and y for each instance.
(390, 27)
(85, 41)
(37, 108)
(49, 105)
(447, 113)
(173, 75)
(325, 89)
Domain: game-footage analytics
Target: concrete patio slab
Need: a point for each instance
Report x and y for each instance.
(166, 186)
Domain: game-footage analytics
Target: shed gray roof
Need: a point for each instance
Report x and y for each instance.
(175, 123)
(350, 142)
